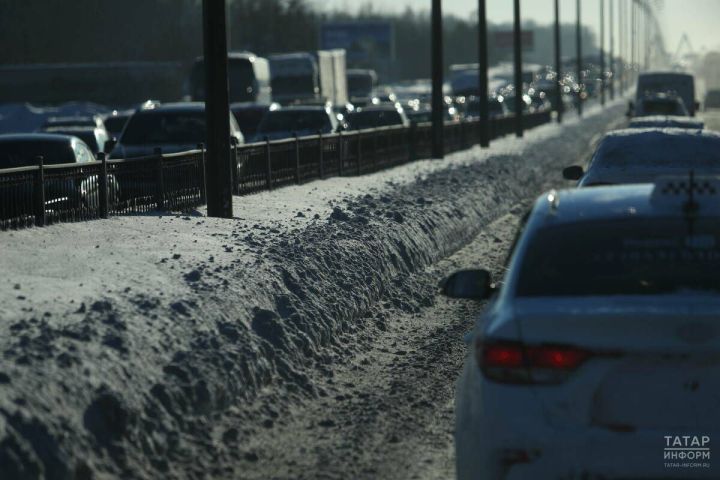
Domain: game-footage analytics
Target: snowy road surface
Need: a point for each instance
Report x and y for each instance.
(303, 339)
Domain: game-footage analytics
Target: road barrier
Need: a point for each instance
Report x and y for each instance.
(44, 194)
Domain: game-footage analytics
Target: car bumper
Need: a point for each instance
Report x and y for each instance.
(502, 433)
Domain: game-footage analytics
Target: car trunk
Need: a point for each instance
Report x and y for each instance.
(653, 364)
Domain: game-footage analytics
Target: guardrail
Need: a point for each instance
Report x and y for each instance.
(43, 194)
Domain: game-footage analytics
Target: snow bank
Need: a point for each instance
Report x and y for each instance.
(124, 340)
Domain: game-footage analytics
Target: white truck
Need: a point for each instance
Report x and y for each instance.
(304, 77)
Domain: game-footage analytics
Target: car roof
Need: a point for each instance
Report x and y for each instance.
(667, 121)
(297, 108)
(175, 107)
(664, 199)
(35, 137)
(648, 134)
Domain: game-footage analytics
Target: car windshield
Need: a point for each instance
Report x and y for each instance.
(249, 119)
(182, 128)
(294, 85)
(294, 121)
(24, 153)
(374, 118)
(656, 149)
(360, 85)
(115, 124)
(623, 257)
(87, 136)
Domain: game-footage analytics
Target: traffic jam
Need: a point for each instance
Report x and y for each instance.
(599, 343)
(321, 259)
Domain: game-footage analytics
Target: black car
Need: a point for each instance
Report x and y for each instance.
(116, 121)
(95, 138)
(249, 115)
(75, 190)
(378, 116)
(301, 121)
(171, 127)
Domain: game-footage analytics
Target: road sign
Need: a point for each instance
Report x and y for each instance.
(362, 41)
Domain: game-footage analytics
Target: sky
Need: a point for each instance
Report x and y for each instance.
(700, 19)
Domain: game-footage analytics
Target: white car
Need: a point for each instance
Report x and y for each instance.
(599, 356)
(642, 155)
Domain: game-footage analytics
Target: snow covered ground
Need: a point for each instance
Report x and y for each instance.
(156, 346)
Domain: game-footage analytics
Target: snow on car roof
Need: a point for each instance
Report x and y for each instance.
(627, 201)
(659, 147)
(667, 121)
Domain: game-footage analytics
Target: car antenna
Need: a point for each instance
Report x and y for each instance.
(691, 207)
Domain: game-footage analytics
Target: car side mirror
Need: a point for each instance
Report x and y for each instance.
(110, 145)
(574, 172)
(631, 109)
(468, 285)
(234, 141)
(697, 106)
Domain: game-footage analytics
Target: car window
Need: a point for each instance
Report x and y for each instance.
(622, 257)
(25, 153)
(152, 128)
(295, 121)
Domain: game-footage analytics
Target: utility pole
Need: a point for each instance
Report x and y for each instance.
(613, 64)
(602, 52)
(438, 100)
(558, 64)
(633, 38)
(519, 101)
(578, 42)
(217, 111)
(483, 72)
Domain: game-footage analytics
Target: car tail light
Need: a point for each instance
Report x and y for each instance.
(513, 362)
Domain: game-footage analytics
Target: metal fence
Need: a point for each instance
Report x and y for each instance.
(44, 194)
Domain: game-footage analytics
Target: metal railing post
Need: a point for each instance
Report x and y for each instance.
(103, 186)
(201, 170)
(268, 165)
(297, 158)
(39, 192)
(322, 159)
(159, 180)
(359, 151)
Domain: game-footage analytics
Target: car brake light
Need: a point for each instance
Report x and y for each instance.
(513, 362)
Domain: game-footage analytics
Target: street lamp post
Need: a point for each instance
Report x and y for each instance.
(519, 101)
(217, 111)
(483, 73)
(578, 42)
(558, 64)
(438, 101)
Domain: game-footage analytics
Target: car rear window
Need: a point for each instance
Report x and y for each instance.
(294, 121)
(374, 118)
(152, 128)
(24, 153)
(625, 257)
(658, 149)
(652, 107)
